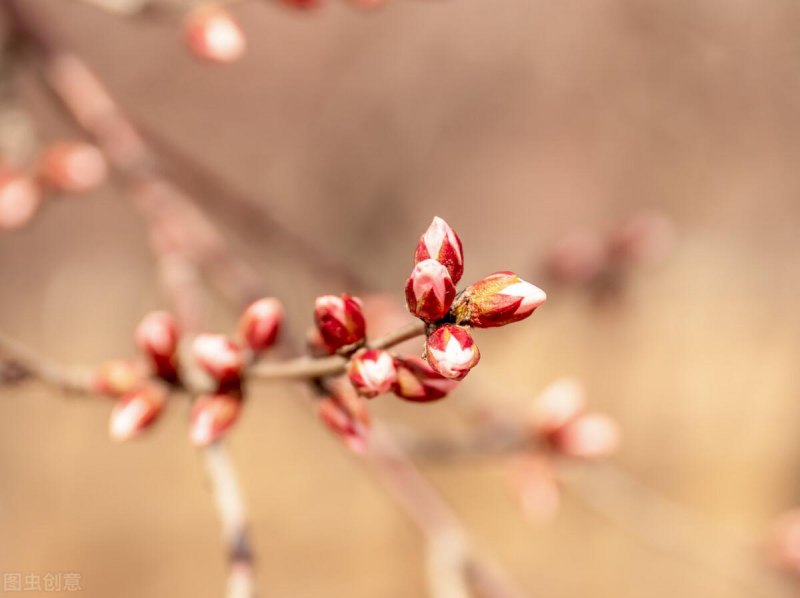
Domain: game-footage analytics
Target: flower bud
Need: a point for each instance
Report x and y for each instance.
(430, 291)
(218, 355)
(213, 34)
(451, 351)
(372, 372)
(441, 243)
(340, 321)
(559, 403)
(212, 416)
(589, 436)
(118, 377)
(73, 167)
(418, 382)
(345, 414)
(157, 336)
(136, 411)
(260, 323)
(499, 299)
(19, 199)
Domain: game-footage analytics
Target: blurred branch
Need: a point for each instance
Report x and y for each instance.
(22, 362)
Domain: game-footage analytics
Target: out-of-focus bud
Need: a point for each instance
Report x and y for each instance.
(647, 237)
(19, 199)
(340, 321)
(221, 357)
(118, 377)
(136, 411)
(213, 34)
(441, 243)
(418, 382)
(559, 403)
(372, 372)
(260, 323)
(368, 3)
(212, 416)
(303, 4)
(536, 485)
(499, 299)
(430, 291)
(451, 351)
(345, 414)
(784, 546)
(588, 436)
(157, 336)
(578, 258)
(73, 167)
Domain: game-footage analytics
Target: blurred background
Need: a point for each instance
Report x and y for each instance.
(519, 122)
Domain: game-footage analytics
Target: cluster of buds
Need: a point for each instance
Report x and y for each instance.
(72, 167)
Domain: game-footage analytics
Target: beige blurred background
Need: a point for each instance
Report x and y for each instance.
(518, 121)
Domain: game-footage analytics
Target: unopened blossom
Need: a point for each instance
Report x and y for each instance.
(157, 336)
(219, 356)
(499, 299)
(73, 167)
(340, 321)
(372, 372)
(260, 323)
(118, 377)
(136, 411)
(429, 291)
(419, 382)
(559, 403)
(588, 436)
(212, 416)
(451, 351)
(19, 199)
(345, 413)
(213, 34)
(441, 243)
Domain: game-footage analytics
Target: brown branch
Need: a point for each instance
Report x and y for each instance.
(33, 365)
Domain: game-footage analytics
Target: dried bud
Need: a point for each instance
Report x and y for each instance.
(499, 299)
(372, 372)
(345, 414)
(340, 321)
(559, 403)
(418, 382)
(221, 357)
(260, 323)
(451, 351)
(441, 243)
(73, 167)
(118, 377)
(19, 199)
(429, 291)
(213, 34)
(157, 336)
(589, 436)
(212, 416)
(136, 411)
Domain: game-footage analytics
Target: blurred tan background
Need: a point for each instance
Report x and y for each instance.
(517, 121)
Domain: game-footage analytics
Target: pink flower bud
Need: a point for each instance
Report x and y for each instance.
(218, 355)
(346, 415)
(19, 199)
(212, 416)
(451, 351)
(340, 321)
(118, 377)
(499, 299)
(260, 323)
(136, 411)
(559, 403)
(213, 34)
(430, 291)
(73, 167)
(441, 243)
(418, 382)
(589, 436)
(372, 372)
(157, 336)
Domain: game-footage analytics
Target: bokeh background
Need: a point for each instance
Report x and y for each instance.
(518, 121)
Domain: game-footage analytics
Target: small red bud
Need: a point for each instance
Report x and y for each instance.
(118, 377)
(451, 351)
(340, 320)
(73, 167)
(429, 291)
(213, 34)
(157, 336)
(212, 416)
(418, 382)
(345, 414)
(260, 324)
(136, 411)
(372, 372)
(499, 299)
(19, 199)
(588, 436)
(441, 243)
(218, 355)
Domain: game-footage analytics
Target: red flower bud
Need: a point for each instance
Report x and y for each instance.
(218, 355)
(118, 377)
(136, 411)
(19, 199)
(441, 243)
(588, 436)
(430, 291)
(499, 299)
(213, 34)
(260, 323)
(340, 321)
(157, 336)
(372, 372)
(451, 351)
(73, 167)
(212, 416)
(345, 414)
(418, 382)
(559, 403)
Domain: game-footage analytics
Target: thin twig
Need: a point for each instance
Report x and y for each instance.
(34, 365)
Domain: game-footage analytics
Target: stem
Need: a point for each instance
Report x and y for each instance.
(43, 369)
